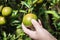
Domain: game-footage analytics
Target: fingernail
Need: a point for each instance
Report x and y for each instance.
(32, 20)
(39, 21)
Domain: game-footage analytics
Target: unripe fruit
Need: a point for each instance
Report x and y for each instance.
(27, 19)
(2, 20)
(39, 1)
(6, 11)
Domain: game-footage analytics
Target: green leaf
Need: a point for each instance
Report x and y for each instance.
(29, 2)
(53, 13)
(14, 13)
(35, 1)
(4, 35)
(23, 11)
(13, 37)
(15, 22)
(19, 26)
(55, 1)
(24, 3)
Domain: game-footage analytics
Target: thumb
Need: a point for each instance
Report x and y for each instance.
(26, 30)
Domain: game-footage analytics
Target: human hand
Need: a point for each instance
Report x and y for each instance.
(40, 33)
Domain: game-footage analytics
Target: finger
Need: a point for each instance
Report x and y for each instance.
(40, 22)
(27, 31)
(36, 25)
(45, 31)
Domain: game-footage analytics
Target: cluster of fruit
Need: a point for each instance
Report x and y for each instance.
(5, 11)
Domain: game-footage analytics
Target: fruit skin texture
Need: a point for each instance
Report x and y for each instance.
(6, 11)
(2, 20)
(27, 19)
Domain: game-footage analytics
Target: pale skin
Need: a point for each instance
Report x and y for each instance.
(40, 33)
